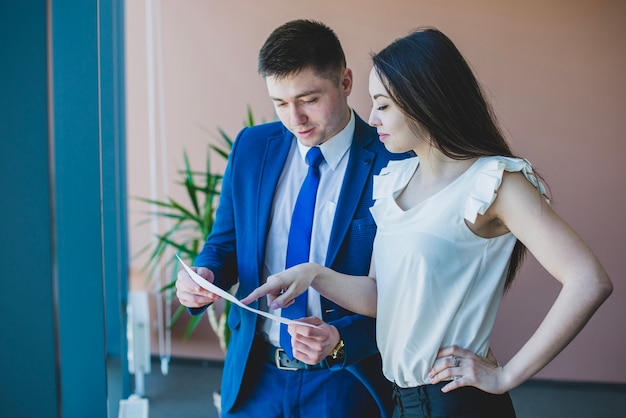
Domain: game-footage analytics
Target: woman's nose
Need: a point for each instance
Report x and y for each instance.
(373, 120)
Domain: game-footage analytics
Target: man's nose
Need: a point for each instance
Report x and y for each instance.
(297, 116)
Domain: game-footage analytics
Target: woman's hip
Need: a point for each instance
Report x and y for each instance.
(466, 402)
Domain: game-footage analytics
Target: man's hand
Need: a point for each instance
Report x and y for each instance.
(313, 345)
(189, 293)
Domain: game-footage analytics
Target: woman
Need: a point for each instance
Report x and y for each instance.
(453, 223)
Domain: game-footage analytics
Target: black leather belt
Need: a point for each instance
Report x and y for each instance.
(278, 357)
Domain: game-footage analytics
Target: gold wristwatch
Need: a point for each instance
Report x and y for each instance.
(337, 355)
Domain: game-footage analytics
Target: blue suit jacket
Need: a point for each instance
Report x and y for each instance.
(235, 249)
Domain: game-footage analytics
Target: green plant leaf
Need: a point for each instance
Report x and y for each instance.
(192, 222)
(193, 323)
(190, 185)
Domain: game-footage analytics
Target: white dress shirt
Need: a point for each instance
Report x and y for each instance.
(332, 171)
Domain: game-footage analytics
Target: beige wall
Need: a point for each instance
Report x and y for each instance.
(553, 70)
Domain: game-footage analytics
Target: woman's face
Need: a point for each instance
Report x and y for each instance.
(391, 123)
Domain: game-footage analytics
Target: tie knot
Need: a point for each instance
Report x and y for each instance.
(314, 157)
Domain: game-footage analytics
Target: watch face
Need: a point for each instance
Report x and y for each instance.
(337, 355)
(340, 353)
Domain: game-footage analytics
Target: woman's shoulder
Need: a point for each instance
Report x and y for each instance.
(394, 176)
(489, 173)
(497, 165)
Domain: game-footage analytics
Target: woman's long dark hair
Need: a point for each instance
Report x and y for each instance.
(434, 86)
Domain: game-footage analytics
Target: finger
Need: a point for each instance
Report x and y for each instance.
(446, 374)
(207, 275)
(303, 354)
(263, 290)
(308, 350)
(186, 284)
(313, 320)
(302, 331)
(453, 350)
(283, 300)
(279, 302)
(309, 357)
(444, 368)
(299, 331)
(454, 384)
(443, 363)
(270, 300)
(201, 293)
(212, 297)
(192, 301)
(183, 281)
(307, 343)
(273, 289)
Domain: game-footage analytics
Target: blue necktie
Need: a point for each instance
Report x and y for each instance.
(299, 244)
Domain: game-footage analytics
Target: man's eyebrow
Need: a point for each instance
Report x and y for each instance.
(303, 94)
(308, 93)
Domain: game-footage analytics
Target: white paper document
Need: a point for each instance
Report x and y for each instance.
(224, 294)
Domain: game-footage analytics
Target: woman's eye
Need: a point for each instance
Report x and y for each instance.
(383, 107)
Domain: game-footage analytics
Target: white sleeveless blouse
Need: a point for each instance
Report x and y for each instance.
(438, 283)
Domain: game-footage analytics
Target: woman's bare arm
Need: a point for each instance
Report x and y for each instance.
(355, 293)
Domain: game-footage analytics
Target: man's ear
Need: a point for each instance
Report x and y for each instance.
(346, 81)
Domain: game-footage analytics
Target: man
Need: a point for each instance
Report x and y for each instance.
(336, 371)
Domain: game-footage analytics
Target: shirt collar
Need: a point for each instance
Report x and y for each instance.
(334, 148)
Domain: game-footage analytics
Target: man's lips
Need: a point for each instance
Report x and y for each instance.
(305, 132)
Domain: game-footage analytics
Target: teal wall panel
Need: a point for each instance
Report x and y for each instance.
(62, 217)
(114, 194)
(27, 323)
(76, 143)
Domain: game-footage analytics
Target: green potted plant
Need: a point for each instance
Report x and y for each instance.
(191, 223)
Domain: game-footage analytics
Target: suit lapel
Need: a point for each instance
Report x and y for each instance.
(358, 173)
(274, 158)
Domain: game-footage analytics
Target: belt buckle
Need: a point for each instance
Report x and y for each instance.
(277, 360)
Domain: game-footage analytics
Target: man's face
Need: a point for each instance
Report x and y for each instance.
(311, 107)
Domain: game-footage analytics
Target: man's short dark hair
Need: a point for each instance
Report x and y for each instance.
(301, 44)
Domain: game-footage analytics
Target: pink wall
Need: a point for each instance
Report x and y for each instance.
(553, 70)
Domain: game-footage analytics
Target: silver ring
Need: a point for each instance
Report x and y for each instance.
(456, 361)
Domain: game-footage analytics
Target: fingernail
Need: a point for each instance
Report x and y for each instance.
(275, 306)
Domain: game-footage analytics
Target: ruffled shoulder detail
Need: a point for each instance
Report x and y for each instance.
(488, 180)
(393, 177)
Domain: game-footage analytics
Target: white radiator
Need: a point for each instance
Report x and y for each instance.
(138, 335)
(133, 407)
